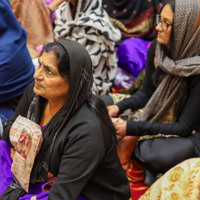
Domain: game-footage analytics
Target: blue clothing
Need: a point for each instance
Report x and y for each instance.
(16, 68)
(5, 113)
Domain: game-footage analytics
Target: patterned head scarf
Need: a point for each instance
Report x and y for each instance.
(92, 28)
(89, 14)
(184, 62)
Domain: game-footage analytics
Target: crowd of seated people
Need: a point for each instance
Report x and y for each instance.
(59, 120)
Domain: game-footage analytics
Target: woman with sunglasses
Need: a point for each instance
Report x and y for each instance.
(169, 125)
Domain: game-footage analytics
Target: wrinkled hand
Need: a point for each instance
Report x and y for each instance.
(120, 128)
(113, 110)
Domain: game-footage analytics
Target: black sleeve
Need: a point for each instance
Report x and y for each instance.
(84, 145)
(21, 109)
(141, 97)
(185, 124)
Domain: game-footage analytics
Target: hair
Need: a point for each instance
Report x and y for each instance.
(170, 48)
(158, 75)
(62, 56)
(100, 108)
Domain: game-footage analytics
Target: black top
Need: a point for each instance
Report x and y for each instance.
(187, 105)
(84, 157)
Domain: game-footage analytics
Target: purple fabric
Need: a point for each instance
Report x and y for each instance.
(123, 79)
(132, 54)
(53, 14)
(6, 176)
(81, 198)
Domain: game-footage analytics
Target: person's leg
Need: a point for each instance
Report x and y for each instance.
(107, 99)
(180, 182)
(159, 155)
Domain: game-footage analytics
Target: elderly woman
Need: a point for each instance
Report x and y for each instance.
(78, 148)
(169, 125)
(86, 22)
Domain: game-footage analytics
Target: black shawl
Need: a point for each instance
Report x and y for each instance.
(80, 84)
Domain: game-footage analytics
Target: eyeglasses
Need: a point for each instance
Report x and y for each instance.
(164, 25)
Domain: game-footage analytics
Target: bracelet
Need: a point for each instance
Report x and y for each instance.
(49, 10)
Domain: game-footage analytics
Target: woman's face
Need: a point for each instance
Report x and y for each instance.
(167, 16)
(48, 82)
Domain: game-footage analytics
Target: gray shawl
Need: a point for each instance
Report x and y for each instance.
(185, 59)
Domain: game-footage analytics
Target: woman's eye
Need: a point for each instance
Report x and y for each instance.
(49, 71)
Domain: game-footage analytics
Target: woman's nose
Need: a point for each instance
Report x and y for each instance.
(158, 27)
(38, 73)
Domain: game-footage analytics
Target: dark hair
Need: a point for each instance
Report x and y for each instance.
(100, 108)
(168, 50)
(158, 75)
(63, 58)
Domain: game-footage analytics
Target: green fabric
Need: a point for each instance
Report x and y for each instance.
(137, 84)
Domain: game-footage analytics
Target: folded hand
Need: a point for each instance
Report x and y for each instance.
(120, 128)
(113, 110)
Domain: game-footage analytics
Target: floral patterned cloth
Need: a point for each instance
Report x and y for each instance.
(182, 182)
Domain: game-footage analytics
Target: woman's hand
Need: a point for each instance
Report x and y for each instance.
(120, 128)
(113, 110)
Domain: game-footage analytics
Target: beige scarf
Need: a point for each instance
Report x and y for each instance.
(184, 63)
